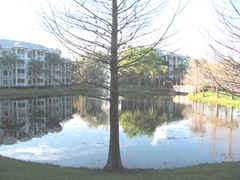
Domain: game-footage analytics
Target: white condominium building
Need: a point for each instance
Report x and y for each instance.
(177, 65)
(27, 64)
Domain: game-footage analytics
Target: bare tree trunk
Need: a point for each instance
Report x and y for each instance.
(106, 34)
(114, 163)
(217, 92)
(203, 95)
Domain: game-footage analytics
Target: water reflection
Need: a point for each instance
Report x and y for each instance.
(155, 132)
(22, 120)
(140, 115)
(221, 124)
(93, 111)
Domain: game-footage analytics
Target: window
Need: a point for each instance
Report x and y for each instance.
(21, 64)
(7, 52)
(5, 82)
(5, 113)
(29, 81)
(5, 64)
(21, 80)
(39, 53)
(20, 71)
(5, 103)
(5, 72)
(21, 104)
(20, 51)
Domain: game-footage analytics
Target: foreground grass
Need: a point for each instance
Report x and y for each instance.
(224, 99)
(11, 169)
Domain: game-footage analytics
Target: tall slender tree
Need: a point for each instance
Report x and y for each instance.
(10, 59)
(54, 60)
(36, 69)
(87, 27)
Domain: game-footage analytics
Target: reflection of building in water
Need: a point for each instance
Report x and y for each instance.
(24, 119)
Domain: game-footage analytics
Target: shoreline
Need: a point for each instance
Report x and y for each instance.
(18, 169)
(210, 97)
(82, 89)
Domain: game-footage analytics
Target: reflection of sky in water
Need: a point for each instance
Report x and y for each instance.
(172, 145)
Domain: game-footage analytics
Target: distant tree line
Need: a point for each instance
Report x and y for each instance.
(223, 75)
(222, 70)
(152, 70)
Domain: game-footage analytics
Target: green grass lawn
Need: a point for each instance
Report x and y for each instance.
(12, 93)
(223, 99)
(11, 169)
(81, 89)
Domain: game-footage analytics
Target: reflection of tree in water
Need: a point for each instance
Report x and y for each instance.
(13, 129)
(92, 111)
(138, 123)
(196, 112)
(222, 120)
(222, 117)
(142, 114)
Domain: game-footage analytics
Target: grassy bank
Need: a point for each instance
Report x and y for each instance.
(224, 99)
(11, 169)
(27, 92)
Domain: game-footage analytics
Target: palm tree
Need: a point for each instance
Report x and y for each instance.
(54, 60)
(36, 67)
(164, 69)
(178, 73)
(9, 59)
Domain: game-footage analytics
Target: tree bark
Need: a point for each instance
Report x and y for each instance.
(203, 95)
(114, 163)
(217, 92)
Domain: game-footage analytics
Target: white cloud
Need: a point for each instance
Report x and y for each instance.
(40, 153)
(160, 133)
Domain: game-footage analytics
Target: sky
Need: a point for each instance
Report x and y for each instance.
(20, 21)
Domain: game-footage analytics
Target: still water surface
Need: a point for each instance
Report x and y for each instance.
(155, 132)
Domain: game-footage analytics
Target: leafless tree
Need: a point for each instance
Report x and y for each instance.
(89, 27)
(225, 45)
(197, 75)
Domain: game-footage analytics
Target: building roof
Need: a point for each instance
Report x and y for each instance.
(9, 44)
(168, 53)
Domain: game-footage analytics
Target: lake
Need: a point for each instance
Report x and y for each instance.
(155, 132)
